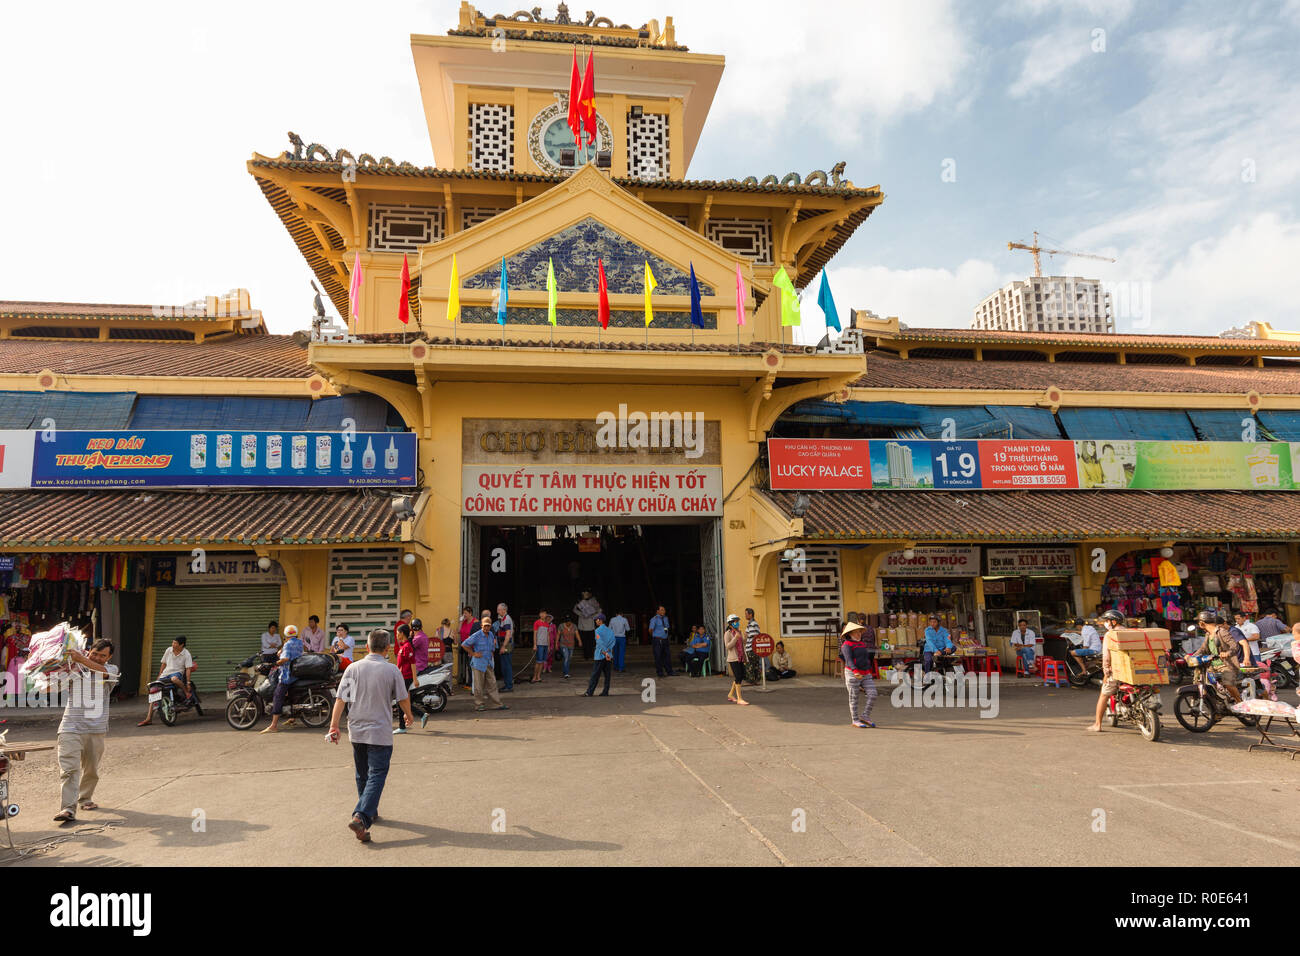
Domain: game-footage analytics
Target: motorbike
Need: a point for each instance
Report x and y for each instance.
(1277, 658)
(1082, 671)
(1137, 705)
(432, 687)
(1203, 703)
(164, 693)
(249, 692)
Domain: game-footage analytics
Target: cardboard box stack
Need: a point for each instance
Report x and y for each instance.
(1140, 655)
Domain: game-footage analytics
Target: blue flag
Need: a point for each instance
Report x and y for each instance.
(697, 315)
(827, 304)
(504, 295)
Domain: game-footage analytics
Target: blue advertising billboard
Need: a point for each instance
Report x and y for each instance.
(223, 458)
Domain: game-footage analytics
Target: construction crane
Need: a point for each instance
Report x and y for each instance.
(1036, 249)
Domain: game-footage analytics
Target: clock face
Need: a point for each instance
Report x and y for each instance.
(557, 136)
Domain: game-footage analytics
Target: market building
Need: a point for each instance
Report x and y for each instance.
(436, 464)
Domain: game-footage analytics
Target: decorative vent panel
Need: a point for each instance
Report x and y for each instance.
(403, 228)
(473, 215)
(647, 146)
(492, 137)
(751, 238)
(811, 597)
(364, 590)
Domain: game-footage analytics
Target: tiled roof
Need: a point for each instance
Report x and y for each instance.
(1197, 343)
(231, 356)
(886, 370)
(407, 170)
(107, 519)
(99, 310)
(748, 348)
(1046, 515)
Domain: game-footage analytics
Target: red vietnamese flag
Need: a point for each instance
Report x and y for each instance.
(575, 95)
(603, 311)
(403, 307)
(587, 101)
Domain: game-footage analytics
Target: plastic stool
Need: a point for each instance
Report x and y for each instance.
(1054, 672)
(992, 665)
(1020, 667)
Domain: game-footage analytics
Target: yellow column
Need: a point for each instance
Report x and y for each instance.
(676, 141)
(146, 645)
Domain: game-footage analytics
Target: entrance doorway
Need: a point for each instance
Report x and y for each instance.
(629, 568)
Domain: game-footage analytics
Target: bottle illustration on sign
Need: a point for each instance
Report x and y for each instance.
(248, 451)
(390, 456)
(368, 456)
(345, 456)
(274, 450)
(225, 451)
(322, 452)
(298, 452)
(198, 451)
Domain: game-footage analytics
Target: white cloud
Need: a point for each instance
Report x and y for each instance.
(841, 69)
(1048, 58)
(1246, 274)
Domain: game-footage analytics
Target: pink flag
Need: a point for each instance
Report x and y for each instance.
(740, 297)
(354, 291)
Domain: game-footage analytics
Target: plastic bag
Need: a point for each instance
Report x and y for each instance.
(48, 664)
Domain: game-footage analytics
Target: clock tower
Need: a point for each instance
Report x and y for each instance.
(496, 94)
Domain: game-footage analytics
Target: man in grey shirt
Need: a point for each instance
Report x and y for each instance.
(83, 728)
(368, 688)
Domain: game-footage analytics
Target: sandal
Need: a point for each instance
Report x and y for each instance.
(65, 816)
(90, 805)
(144, 723)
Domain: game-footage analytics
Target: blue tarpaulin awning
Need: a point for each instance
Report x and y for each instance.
(66, 410)
(1284, 426)
(1127, 424)
(370, 412)
(1223, 424)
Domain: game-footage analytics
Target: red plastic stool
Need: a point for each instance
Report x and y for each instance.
(1020, 667)
(992, 664)
(1054, 672)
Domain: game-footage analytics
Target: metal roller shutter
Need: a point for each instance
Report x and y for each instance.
(220, 624)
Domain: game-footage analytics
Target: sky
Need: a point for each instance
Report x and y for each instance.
(1164, 135)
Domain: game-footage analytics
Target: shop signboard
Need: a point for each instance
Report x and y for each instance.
(1267, 558)
(225, 569)
(998, 464)
(225, 458)
(1031, 561)
(16, 449)
(590, 491)
(938, 561)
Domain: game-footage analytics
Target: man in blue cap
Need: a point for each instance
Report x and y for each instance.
(603, 655)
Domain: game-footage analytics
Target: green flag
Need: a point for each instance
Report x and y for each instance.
(551, 293)
(789, 300)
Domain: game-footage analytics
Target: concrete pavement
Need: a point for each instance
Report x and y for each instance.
(686, 779)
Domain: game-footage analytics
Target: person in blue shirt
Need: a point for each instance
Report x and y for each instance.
(289, 650)
(697, 650)
(937, 641)
(659, 630)
(504, 630)
(603, 655)
(479, 646)
(620, 626)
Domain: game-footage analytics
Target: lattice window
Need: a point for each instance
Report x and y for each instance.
(811, 597)
(751, 238)
(473, 215)
(850, 343)
(364, 590)
(492, 137)
(647, 146)
(403, 228)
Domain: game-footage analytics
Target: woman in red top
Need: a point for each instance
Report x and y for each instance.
(405, 663)
(468, 624)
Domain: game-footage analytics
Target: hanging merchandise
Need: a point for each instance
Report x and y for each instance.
(1210, 583)
(1168, 574)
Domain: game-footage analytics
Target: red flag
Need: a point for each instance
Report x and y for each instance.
(603, 311)
(587, 105)
(575, 94)
(403, 307)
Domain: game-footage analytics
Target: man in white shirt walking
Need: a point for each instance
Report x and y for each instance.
(83, 729)
(368, 688)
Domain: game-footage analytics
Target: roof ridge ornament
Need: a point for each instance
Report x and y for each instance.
(316, 153)
(818, 177)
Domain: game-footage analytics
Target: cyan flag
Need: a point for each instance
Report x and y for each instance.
(502, 296)
(827, 304)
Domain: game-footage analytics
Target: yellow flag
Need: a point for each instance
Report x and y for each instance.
(650, 286)
(453, 294)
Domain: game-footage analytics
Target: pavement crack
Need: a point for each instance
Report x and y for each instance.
(754, 831)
